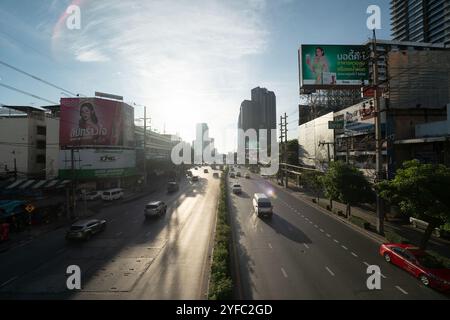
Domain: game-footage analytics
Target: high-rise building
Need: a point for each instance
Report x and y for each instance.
(258, 113)
(201, 141)
(421, 20)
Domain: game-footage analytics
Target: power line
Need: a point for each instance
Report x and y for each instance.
(36, 78)
(27, 93)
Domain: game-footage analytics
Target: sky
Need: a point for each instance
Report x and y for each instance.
(188, 61)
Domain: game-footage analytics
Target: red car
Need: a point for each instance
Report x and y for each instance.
(420, 264)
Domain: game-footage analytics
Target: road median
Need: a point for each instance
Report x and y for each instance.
(221, 283)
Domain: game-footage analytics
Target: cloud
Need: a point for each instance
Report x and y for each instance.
(182, 57)
(90, 56)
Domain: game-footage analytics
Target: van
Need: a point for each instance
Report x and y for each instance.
(262, 205)
(112, 194)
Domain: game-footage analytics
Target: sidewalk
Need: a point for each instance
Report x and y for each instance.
(438, 245)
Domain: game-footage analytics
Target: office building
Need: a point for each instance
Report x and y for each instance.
(258, 113)
(421, 20)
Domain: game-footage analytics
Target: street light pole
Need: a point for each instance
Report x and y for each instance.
(378, 138)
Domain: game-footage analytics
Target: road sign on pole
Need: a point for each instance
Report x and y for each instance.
(30, 208)
(336, 124)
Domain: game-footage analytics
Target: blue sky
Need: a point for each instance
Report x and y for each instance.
(188, 61)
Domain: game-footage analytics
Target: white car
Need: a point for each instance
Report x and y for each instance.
(237, 188)
(93, 195)
(262, 205)
(113, 194)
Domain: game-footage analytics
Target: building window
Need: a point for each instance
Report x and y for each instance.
(41, 130)
(40, 158)
(41, 144)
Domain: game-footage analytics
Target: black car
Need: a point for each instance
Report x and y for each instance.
(172, 186)
(85, 229)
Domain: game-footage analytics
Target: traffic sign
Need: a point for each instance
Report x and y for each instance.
(336, 124)
(30, 208)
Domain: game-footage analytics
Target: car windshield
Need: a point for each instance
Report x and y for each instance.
(76, 228)
(152, 206)
(429, 261)
(264, 204)
(236, 186)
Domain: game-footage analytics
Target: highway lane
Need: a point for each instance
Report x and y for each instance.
(303, 253)
(163, 258)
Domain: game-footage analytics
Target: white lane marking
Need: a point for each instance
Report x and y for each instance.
(355, 255)
(401, 290)
(306, 246)
(321, 230)
(328, 235)
(284, 273)
(366, 264)
(6, 282)
(303, 216)
(310, 222)
(344, 247)
(383, 276)
(331, 272)
(336, 241)
(316, 226)
(270, 246)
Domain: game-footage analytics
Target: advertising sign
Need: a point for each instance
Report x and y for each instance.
(358, 119)
(94, 122)
(326, 66)
(97, 163)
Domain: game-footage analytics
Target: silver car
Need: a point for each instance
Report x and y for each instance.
(155, 208)
(85, 229)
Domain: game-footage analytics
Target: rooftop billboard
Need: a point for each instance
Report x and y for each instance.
(333, 66)
(95, 122)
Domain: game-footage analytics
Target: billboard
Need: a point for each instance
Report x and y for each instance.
(97, 163)
(358, 119)
(333, 66)
(95, 122)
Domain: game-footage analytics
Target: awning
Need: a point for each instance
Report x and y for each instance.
(32, 184)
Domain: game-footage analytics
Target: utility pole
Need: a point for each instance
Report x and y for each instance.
(145, 147)
(283, 141)
(285, 148)
(378, 138)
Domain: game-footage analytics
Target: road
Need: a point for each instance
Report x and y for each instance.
(165, 258)
(304, 253)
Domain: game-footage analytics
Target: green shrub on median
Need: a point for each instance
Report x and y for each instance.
(221, 283)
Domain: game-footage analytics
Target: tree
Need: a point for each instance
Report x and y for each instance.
(312, 180)
(345, 183)
(292, 152)
(422, 191)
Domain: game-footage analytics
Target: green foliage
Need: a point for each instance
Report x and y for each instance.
(312, 180)
(421, 191)
(292, 152)
(347, 184)
(221, 284)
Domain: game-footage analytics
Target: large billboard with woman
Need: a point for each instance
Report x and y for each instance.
(327, 66)
(94, 122)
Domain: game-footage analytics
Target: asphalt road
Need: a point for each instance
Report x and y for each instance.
(165, 258)
(303, 253)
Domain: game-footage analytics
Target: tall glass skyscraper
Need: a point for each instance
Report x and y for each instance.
(421, 20)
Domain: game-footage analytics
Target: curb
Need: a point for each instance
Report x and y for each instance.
(376, 238)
